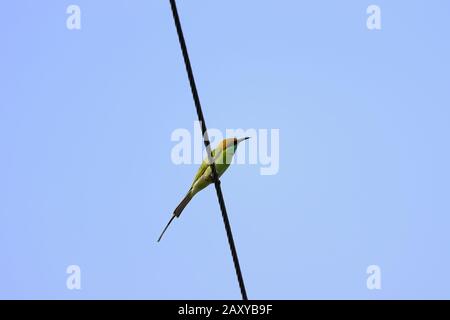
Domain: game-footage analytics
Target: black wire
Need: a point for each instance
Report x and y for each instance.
(198, 106)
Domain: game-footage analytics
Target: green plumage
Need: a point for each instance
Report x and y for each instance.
(222, 156)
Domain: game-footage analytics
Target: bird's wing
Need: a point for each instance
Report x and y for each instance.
(204, 166)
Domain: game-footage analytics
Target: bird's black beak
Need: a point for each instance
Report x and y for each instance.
(242, 139)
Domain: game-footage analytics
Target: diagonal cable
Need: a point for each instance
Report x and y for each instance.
(198, 107)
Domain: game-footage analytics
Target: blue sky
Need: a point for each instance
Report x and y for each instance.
(86, 176)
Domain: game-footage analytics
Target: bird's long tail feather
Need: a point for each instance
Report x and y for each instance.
(177, 212)
(168, 224)
(182, 204)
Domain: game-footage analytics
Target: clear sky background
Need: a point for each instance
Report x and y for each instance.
(86, 176)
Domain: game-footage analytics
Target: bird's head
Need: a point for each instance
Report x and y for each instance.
(226, 143)
(236, 141)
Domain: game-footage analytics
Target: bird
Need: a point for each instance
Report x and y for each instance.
(221, 156)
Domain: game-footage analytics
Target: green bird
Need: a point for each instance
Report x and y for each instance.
(222, 157)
